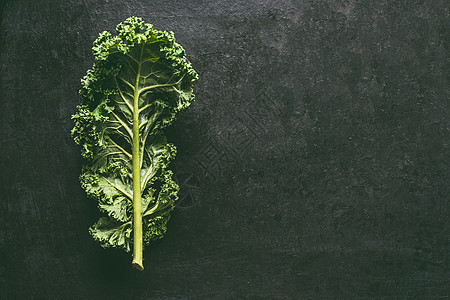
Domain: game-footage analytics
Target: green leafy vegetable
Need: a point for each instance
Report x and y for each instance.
(139, 84)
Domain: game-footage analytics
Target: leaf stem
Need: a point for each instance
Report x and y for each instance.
(137, 204)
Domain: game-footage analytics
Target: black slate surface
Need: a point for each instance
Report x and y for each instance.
(313, 165)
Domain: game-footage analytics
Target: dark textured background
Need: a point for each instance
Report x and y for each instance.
(314, 163)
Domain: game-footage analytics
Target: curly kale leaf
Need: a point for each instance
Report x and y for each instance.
(139, 84)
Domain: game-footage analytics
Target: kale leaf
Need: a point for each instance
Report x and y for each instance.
(139, 84)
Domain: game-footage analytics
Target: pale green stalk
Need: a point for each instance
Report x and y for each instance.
(137, 204)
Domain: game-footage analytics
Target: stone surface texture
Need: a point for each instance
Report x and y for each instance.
(314, 163)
